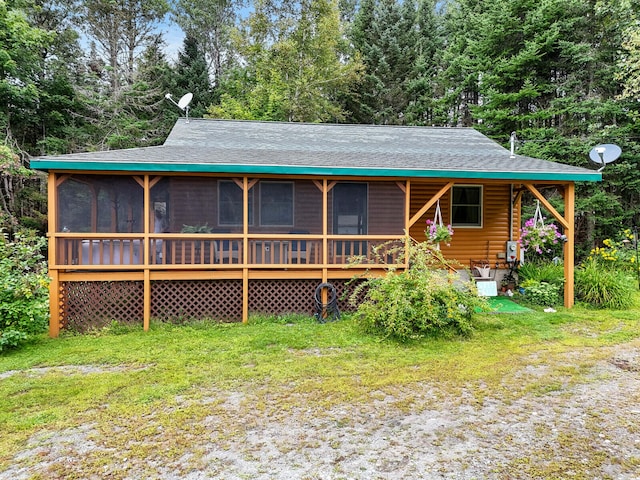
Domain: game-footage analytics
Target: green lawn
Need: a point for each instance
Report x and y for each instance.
(117, 378)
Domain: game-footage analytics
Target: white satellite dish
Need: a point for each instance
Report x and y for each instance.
(183, 103)
(185, 100)
(605, 154)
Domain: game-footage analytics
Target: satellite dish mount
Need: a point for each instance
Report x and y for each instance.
(604, 154)
(183, 103)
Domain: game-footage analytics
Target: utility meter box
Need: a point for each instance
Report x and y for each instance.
(512, 251)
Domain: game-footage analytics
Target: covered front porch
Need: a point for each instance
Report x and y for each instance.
(120, 222)
(217, 246)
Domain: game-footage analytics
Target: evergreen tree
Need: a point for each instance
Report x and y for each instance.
(423, 89)
(629, 62)
(459, 70)
(192, 75)
(399, 44)
(548, 71)
(122, 29)
(211, 23)
(378, 35)
(145, 101)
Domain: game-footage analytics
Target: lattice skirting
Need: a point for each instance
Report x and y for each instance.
(293, 296)
(184, 300)
(92, 305)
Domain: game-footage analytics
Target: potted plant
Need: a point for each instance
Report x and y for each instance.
(437, 233)
(196, 228)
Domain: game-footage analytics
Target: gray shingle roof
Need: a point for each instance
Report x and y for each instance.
(242, 147)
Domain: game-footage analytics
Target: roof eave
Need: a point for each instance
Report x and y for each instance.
(92, 166)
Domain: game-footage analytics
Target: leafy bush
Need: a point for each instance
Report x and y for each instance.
(618, 253)
(604, 287)
(541, 293)
(422, 300)
(543, 283)
(24, 307)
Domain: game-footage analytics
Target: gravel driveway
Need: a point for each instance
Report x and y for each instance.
(587, 427)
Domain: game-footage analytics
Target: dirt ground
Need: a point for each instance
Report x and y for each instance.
(589, 428)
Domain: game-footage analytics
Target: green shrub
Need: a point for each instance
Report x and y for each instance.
(543, 283)
(541, 293)
(422, 300)
(548, 272)
(604, 287)
(617, 253)
(24, 307)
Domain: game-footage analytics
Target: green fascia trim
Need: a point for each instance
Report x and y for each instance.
(47, 165)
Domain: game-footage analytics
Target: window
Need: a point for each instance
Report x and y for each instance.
(276, 204)
(350, 208)
(230, 203)
(466, 206)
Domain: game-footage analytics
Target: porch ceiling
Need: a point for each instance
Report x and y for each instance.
(258, 148)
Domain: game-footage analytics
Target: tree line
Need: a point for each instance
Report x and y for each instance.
(78, 75)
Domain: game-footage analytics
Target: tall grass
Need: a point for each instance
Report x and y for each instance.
(548, 272)
(604, 287)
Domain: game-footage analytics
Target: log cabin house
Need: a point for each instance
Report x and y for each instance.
(231, 217)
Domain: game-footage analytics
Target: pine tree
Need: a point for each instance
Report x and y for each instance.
(192, 75)
(399, 44)
(211, 23)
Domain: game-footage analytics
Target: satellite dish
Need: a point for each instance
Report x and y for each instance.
(183, 103)
(604, 154)
(185, 100)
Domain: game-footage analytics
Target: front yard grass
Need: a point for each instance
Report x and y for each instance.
(117, 379)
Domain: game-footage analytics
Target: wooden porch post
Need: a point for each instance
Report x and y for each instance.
(407, 219)
(418, 215)
(569, 246)
(568, 224)
(54, 286)
(325, 228)
(245, 248)
(146, 316)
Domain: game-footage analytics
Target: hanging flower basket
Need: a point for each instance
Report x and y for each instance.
(438, 233)
(538, 237)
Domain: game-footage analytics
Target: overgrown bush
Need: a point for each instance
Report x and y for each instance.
(604, 287)
(617, 252)
(24, 307)
(543, 283)
(541, 293)
(422, 300)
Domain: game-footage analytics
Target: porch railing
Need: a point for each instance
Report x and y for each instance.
(125, 251)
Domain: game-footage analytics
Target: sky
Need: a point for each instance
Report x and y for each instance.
(173, 37)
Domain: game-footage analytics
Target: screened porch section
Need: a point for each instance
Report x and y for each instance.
(168, 222)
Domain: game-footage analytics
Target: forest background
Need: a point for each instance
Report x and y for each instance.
(82, 75)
